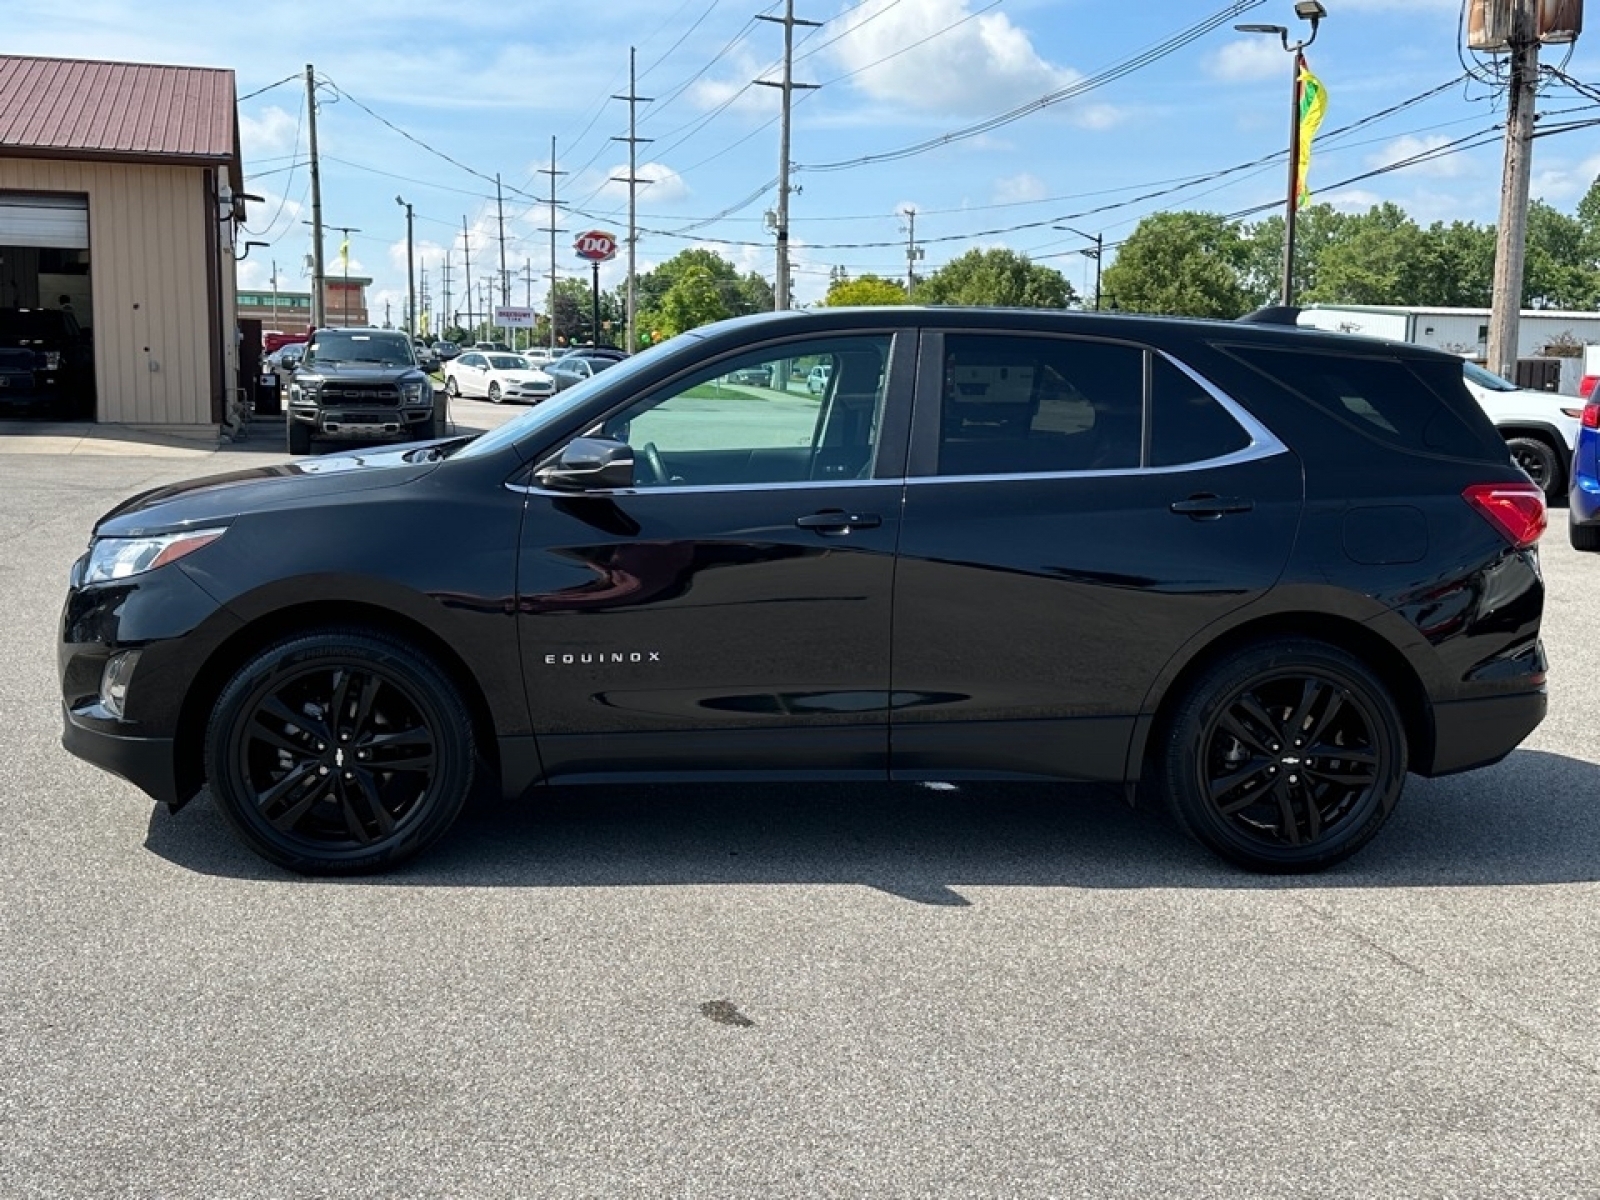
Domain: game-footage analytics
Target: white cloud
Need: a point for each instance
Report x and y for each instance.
(1249, 60)
(1349, 200)
(659, 184)
(1402, 149)
(1019, 189)
(272, 133)
(1563, 183)
(980, 65)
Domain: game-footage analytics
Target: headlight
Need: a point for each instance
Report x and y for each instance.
(52, 360)
(120, 558)
(411, 393)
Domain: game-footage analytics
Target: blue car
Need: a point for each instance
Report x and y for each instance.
(1583, 511)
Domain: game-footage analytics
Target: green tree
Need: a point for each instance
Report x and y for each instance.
(748, 293)
(1180, 263)
(1261, 265)
(1002, 278)
(868, 290)
(695, 299)
(1555, 274)
(575, 314)
(1381, 257)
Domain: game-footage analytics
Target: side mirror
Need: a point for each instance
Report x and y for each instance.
(590, 462)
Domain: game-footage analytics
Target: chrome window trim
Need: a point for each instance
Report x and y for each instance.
(1263, 444)
(704, 488)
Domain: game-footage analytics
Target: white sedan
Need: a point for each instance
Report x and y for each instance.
(496, 377)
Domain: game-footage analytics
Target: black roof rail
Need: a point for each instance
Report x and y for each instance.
(1272, 314)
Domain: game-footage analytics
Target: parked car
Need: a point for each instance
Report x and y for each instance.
(1583, 495)
(360, 384)
(445, 351)
(50, 370)
(575, 368)
(491, 347)
(1540, 428)
(493, 376)
(757, 376)
(285, 358)
(1253, 574)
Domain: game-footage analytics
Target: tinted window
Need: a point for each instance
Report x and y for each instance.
(713, 430)
(1014, 405)
(387, 349)
(1382, 397)
(1186, 423)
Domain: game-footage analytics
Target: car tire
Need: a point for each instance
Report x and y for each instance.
(1237, 778)
(1582, 537)
(1542, 463)
(451, 386)
(299, 438)
(494, 392)
(339, 752)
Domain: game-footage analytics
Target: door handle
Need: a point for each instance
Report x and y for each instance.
(839, 521)
(1206, 507)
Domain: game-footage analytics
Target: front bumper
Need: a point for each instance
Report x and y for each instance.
(145, 762)
(358, 423)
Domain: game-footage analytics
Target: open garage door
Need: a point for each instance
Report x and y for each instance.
(44, 221)
(46, 314)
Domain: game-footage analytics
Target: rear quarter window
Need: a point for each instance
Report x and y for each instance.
(1408, 404)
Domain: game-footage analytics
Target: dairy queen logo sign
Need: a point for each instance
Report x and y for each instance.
(596, 246)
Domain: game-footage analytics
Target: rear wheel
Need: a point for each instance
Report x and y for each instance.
(299, 438)
(1287, 755)
(1542, 463)
(339, 753)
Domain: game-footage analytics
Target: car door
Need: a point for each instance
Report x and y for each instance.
(730, 612)
(470, 371)
(1077, 510)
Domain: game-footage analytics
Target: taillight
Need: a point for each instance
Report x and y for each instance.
(1586, 385)
(1515, 509)
(1591, 416)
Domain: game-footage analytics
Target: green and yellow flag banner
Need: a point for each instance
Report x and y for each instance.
(1313, 106)
(344, 246)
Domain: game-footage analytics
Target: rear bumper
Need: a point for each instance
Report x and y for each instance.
(1476, 733)
(147, 763)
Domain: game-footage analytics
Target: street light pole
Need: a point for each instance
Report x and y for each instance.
(411, 273)
(1306, 10)
(1099, 240)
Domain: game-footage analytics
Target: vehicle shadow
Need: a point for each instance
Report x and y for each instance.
(1530, 820)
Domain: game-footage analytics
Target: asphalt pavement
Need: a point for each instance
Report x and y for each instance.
(782, 991)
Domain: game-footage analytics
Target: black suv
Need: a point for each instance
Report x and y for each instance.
(45, 362)
(1254, 574)
(360, 385)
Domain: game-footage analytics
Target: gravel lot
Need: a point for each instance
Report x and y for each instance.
(808, 991)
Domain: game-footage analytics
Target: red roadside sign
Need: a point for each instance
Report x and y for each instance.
(596, 246)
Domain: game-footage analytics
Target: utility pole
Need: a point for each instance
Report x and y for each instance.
(444, 287)
(505, 282)
(552, 229)
(466, 250)
(1510, 255)
(788, 21)
(527, 278)
(913, 251)
(426, 299)
(633, 139)
(319, 302)
(344, 259)
(275, 294)
(411, 272)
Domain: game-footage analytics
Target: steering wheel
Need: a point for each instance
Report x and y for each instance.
(652, 459)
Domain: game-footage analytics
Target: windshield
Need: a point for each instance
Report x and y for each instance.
(386, 349)
(508, 362)
(1487, 379)
(554, 412)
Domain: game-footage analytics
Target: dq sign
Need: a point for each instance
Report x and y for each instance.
(596, 246)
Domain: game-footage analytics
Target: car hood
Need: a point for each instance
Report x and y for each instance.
(218, 499)
(360, 372)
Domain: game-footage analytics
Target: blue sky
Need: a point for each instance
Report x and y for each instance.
(488, 85)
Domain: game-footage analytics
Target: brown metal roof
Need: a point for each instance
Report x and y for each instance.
(60, 107)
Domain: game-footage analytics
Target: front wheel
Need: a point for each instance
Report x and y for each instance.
(494, 392)
(1287, 755)
(339, 752)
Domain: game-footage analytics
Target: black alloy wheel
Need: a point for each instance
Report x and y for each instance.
(339, 753)
(1542, 464)
(1286, 756)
